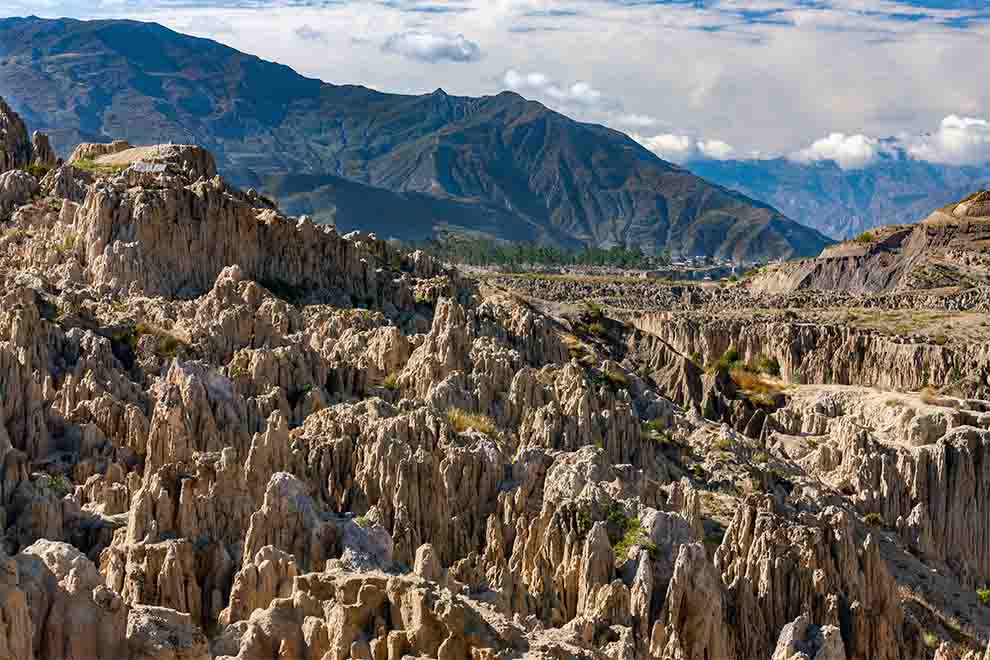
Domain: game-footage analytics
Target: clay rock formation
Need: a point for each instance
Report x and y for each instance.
(44, 154)
(975, 206)
(15, 145)
(227, 433)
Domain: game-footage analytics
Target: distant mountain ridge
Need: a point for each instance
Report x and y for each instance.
(499, 165)
(844, 203)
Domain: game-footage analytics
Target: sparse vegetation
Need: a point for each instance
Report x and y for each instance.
(723, 444)
(167, 346)
(597, 329)
(769, 366)
(873, 519)
(66, 245)
(865, 237)
(984, 596)
(463, 421)
(363, 522)
(391, 383)
(614, 380)
(931, 640)
(656, 431)
(59, 485)
(99, 169)
(632, 534)
(38, 171)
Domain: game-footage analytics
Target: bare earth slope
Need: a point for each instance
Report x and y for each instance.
(950, 248)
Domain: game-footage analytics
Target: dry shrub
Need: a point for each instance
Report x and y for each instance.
(463, 421)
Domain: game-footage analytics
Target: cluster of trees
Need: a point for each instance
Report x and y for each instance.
(486, 252)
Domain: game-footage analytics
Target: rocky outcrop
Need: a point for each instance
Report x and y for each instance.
(44, 154)
(15, 146)
(91, 151)
(75, 615)
(799, 640)
(828, 354)
(16, 189)
(824, 568)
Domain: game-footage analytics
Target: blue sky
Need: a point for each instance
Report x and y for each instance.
(810, 79)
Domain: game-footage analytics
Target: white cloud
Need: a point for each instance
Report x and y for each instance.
(637, 121)
(682, 148)
(716, 149)
(850, 152)
(309, 33)
(581, 95)
(433, 47)
(958, 141)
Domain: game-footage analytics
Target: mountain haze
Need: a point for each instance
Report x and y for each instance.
(896, 189)
(541, 175)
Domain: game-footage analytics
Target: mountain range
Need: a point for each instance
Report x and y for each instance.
(404, 166)
(895, 189)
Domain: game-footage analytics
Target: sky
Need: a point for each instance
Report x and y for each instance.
(842, 80)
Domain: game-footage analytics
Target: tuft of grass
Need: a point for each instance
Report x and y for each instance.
(655, 431)
(463, 421)
(769, 366)
(941, 340)
(584, 523)
(761, 457)
(873, 519)
(984, 596)
(931, 639)
(593, 311)
(597, 329)
(391, 383)
(66, 245)
(59, 485)
(38, 171)
(167, 346)
(632, 533)
(723, 444)
(614, 380)
(363, 522)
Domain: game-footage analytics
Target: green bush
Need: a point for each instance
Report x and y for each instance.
(769, 366)
(593, 310)
(597, 329)
(38, 171)
(391, 382)
(729, 361)
(983, 595)
(873, 519)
